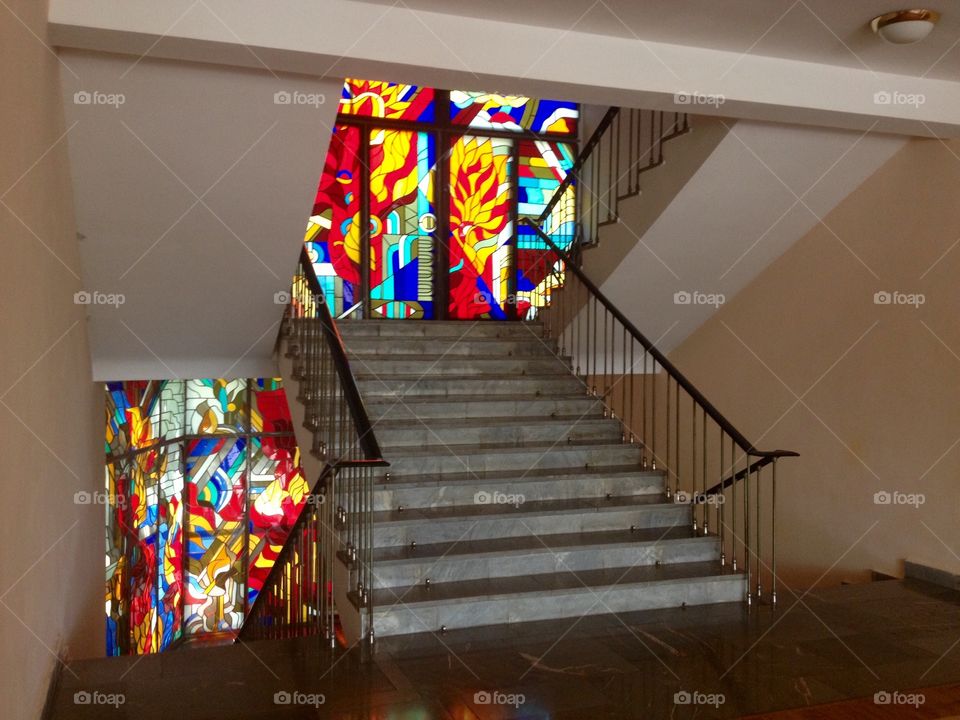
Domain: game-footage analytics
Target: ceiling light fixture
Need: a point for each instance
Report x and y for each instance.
(903, 27)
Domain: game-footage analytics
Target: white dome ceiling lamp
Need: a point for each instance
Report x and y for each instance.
(903, 27)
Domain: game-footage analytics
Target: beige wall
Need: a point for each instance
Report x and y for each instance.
(869, 394)
(51, 549)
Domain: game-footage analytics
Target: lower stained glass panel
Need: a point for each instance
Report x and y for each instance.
(215, 535)
(221, 499)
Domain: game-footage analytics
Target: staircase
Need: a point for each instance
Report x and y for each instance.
(488, 473)
(510, 495)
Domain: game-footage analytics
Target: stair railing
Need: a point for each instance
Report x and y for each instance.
(708, 462)
(626, 143)
(335, 524)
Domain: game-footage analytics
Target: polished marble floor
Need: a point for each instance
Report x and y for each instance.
(717, 661)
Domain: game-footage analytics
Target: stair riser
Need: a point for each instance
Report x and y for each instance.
(406, 328)
(383, 367)
(387, 387)
(561, 456)
(436, 435)
(555, 488)
(400, 619)
(586, 407)
(450, 347)
(392, 533)
(453, 568)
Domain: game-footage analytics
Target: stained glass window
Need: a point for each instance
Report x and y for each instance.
(216, 502)
(402, 222)
(543, 166)
(493, 111)
(333, 231)
(216, 406)
(197, 512)
(379, 246)
(393, 101)
(481, 229)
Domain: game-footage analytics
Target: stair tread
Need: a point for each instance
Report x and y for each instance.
(536, 543)
(397, 452)
(514, 475)
(581, 581)
(456, 399)
(572, 420)
(535, 507)
(358, 371)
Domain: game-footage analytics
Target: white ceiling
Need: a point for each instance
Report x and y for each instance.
(832, 32)
(811, 62)
(191, 201)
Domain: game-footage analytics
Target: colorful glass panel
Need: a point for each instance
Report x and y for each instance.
(393, 101)
(493, 111)
(214, 535)
(133, 412)
(481, 229)
(277, 492)
(170, 550)
(230, 515)
(402, 222)
(117, 589)
(216, 406)
(333, 231)
(142, 521)
(543, 166)
(172, 409)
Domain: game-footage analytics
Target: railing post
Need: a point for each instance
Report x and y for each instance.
(747, 565)
(773, 535)
(759, 552)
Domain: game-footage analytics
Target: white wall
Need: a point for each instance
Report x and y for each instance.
(762, 187)
(868, 394)
(51, 413)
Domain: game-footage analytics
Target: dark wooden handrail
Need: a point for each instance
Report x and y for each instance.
(658, 356)
(741, 474)
(369, 446)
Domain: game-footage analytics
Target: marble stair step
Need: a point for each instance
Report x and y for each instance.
(535, 555)
(418, 491)
(516, 517)
(421, 384)
(482, 406)
(503, 431)
(473, 458)
(438, 328)
(530, 345)
(383, 366)
(501, 600)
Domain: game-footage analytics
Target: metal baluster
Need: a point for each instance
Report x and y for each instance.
(773, 535)
(746, 527)
(653, 413)
(693, 462)
(706, 510)
(643, 411)
(666, 428)
(593, 352)
(676, 463)
(721, 501)
(624, 407)
(759, 536)
(733, 506)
